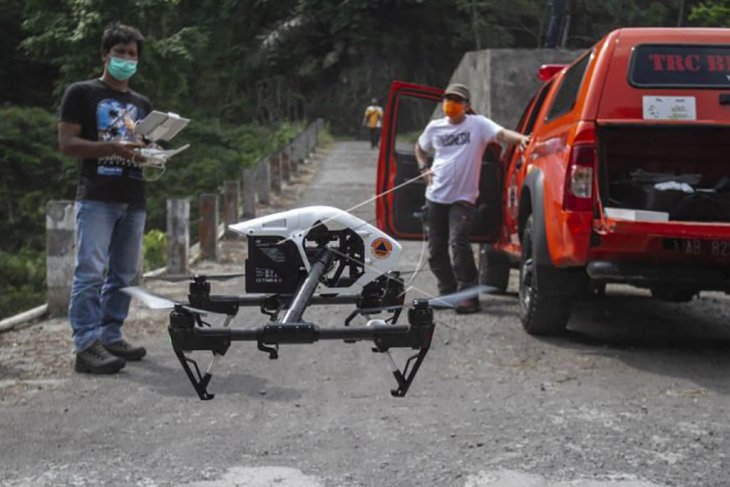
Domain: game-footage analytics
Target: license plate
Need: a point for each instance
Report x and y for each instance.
(697, 246)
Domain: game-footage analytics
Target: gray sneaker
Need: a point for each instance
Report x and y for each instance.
(96, 360)
(125, 350)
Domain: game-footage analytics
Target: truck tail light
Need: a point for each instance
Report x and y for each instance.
(578, 194)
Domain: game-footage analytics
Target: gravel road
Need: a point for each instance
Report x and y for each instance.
(635, 396)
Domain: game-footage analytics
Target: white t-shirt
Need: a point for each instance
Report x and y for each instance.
(458, 155)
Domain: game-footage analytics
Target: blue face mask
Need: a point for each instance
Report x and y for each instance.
(121, 69)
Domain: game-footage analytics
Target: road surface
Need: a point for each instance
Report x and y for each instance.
(635, 396)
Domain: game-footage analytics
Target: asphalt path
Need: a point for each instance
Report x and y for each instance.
(636, 395)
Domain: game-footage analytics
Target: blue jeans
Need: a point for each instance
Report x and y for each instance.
(108, 248)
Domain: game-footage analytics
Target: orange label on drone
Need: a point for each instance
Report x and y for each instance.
(381, 248)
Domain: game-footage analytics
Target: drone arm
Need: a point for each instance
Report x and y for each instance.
(305, 292)
(185, 336)
(218, 340)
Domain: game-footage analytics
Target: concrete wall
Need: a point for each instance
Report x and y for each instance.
(502, 81)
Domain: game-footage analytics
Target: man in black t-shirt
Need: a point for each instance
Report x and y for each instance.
(96, 125)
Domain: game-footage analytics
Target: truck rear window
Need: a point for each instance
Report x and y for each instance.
(680, 66)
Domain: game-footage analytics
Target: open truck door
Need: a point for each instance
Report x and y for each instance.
(401, 191)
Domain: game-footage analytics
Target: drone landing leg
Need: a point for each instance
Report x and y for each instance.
(183, 334)
(420, 318)
(200, 383)
(405, 378)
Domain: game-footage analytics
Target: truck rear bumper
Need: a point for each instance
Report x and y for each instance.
(649, 275)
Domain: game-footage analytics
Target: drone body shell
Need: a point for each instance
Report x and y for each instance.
(381, 251)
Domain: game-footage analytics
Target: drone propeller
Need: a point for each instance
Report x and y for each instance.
(451, 300)
(153, 301)
(193, 277)
(446, 301)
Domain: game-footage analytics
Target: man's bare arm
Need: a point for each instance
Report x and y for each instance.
(72, 144)
(514, 138)
(421, 156)
(422, 159)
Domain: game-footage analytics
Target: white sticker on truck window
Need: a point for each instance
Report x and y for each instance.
(669, 108)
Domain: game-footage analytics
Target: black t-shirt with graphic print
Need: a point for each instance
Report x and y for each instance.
(106, 115)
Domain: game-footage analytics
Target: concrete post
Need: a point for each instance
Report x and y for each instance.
(208, 226)
(303, 147)
(275, 172)
(249, 193)
(304, 138)
(312, 138)
(308, 141)
(231, 197)
(317, 128)
(60, 254)
(286, 164)
(263, 181)
(178, 235)
(294, 154)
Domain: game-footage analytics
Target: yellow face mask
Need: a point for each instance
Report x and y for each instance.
(453, 108)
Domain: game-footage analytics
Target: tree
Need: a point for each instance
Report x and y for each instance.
(66, 35)
(14, 65)
(712, 14)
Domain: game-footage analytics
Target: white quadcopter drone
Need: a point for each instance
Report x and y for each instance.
(317, 255)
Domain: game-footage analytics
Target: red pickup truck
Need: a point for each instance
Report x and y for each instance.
(626, 178)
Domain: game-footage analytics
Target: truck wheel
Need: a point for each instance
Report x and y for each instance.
(540, 314)
(673, 295)
(493, 268)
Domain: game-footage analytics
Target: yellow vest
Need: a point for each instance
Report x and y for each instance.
(373, 114)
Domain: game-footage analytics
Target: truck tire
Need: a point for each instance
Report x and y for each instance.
(493, 268)
(673, 295)
(540, 314)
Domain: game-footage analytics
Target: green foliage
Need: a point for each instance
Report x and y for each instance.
(712, 14)
(66, 34)
(32, 171)
(154, 249)
(341, 54)
(37, 76)
(325, 136)
(502, 23)
(23, 284)
(256, 60)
